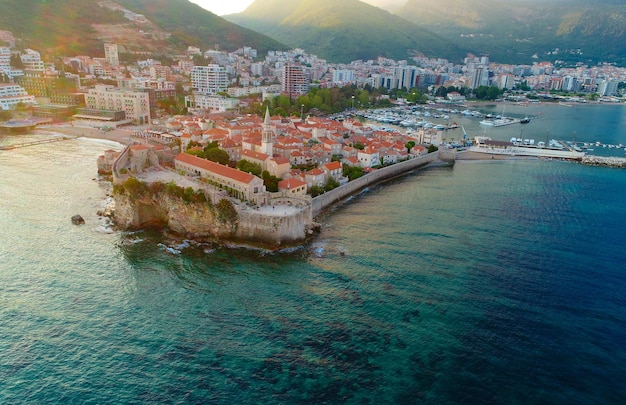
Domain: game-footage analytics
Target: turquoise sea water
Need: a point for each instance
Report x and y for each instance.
(486, 282)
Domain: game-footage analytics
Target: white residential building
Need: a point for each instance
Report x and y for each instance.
(343, 76)
(12, 94)
(210, 79)
(32, 60)
(5, 61)
(209, 102)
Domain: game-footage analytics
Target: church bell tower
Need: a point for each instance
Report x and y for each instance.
(267, 144)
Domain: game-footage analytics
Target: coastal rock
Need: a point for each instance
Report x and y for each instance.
(199, 221)
(78, 220)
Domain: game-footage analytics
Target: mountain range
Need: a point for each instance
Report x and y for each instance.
(509, 31)
(518, 31)
(341, 31)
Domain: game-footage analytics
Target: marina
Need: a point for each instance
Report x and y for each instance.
(471, 121)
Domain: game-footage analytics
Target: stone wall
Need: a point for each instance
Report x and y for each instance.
(273, 230)
(326, 200)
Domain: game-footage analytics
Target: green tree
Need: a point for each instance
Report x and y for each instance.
(226, 212)
(316, 190)
(352, 172)
(432, 148)
(217, 155)
(196, 152)
(249, 167)
(331, 184)
(493, 93)
(409, 145)
(270, 181)
(487, 93)
(134, 187)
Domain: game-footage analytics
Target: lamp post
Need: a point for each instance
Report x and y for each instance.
(302, 112)
(353, 102)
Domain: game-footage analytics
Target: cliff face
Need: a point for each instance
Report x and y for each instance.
(203, 221)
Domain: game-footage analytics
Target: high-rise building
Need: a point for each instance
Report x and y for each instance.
(295, 81)
(111, 54)
(570, 83)
(478, 77)
(210, 79)
(607, 87)
(405, 77)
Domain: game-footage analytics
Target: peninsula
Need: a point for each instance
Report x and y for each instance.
(205, 188)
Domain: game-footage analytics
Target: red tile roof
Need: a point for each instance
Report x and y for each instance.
(333, 165)
(254, 155)
(314, 172)
(290, 183)
(216, 168)
(281, 161)
(140, 147)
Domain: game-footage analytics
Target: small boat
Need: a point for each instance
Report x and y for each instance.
(524, 120)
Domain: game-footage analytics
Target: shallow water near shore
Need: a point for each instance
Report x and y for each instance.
(485, 282)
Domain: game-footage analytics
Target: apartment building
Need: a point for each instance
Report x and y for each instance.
(12, 94)
(295, 81)
(210, 79)
(134, 103)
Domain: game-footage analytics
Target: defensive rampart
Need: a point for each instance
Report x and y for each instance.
(326, 200)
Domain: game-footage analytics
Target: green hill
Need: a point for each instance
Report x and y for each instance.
(190, 24)
(521, 31)
(73, 27)
(57, 27)
(342, 31)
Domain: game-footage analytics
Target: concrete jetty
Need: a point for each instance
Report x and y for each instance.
(32, 143)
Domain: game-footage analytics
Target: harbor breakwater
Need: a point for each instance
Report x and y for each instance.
(604, 161)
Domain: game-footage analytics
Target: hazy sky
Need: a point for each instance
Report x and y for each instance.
(223, 7)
